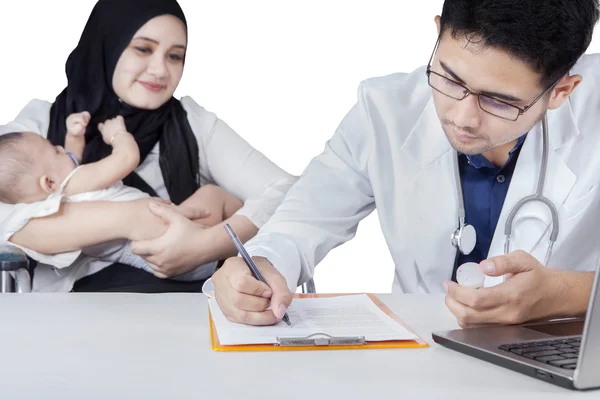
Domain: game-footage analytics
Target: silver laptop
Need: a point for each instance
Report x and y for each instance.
(563, 352)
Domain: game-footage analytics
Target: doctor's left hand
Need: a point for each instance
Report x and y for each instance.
(530, 291)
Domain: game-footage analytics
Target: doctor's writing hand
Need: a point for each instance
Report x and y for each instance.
(530, 291)
(244, 299)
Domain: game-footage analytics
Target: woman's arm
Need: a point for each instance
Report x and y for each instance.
(187, 245)
(34, 117)
(230, 162)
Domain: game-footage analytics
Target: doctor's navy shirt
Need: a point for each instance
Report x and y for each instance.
(484, 188)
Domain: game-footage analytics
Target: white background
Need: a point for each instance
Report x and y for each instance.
(281, 73)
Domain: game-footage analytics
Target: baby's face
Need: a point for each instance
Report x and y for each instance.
(53, 161)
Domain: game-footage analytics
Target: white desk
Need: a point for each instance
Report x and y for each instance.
(122, 346)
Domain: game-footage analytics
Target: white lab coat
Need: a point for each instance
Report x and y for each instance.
(390, 152)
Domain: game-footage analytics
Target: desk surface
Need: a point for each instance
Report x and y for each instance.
(124, 346)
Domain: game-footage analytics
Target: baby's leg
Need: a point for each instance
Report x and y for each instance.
(232, 204)
(215, 200)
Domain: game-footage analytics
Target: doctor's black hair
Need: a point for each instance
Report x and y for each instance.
(549, 35)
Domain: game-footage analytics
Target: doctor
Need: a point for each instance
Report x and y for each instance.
(461, 136)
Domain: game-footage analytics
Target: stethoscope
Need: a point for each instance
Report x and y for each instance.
(465, 237)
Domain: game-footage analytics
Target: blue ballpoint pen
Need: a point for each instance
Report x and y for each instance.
(240, 247)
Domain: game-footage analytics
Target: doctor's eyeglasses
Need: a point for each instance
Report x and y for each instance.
(490, 105)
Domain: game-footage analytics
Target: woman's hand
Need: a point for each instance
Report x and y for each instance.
(178, 249)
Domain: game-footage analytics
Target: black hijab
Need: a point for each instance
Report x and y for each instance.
(90, 69)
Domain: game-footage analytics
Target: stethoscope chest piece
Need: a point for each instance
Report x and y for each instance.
(464, 238)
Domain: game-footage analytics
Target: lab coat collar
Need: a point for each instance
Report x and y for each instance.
(562, 126)
(427, 141)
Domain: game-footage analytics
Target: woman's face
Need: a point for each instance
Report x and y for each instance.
(151, 66)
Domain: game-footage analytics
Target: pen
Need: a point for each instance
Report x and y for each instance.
(240, 247)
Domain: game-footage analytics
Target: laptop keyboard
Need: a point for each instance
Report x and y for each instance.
(560, 353)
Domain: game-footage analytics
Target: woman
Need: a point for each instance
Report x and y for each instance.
(129, 62)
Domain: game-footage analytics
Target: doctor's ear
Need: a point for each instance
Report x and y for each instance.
(48, 185)
(563, 90)
(437, 24)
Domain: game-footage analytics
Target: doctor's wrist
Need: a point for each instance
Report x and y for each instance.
(571, 292)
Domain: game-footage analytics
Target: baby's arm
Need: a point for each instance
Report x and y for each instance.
(75, 137)
(124, 158)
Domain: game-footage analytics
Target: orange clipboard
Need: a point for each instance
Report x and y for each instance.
(390, 344)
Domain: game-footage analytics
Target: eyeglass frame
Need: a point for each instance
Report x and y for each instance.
(468, 91)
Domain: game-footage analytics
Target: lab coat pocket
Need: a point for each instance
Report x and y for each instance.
(571, 208)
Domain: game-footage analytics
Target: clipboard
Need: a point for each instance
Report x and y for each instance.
(322, 341)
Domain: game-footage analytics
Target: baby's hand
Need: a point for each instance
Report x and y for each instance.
(77, 122)
(112, 127)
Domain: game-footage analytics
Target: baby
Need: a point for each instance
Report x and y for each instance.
(33, 170)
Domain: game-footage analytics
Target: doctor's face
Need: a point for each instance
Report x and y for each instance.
(468, 123)
(151, 66)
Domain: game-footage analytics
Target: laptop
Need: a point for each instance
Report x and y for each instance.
(563, 352)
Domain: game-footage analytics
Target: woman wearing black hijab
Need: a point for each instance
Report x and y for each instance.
(90, 69)
(128, 62)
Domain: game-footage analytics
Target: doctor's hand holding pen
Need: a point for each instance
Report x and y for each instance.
(244, 299)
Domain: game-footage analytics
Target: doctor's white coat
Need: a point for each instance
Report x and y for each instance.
(390, 152)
